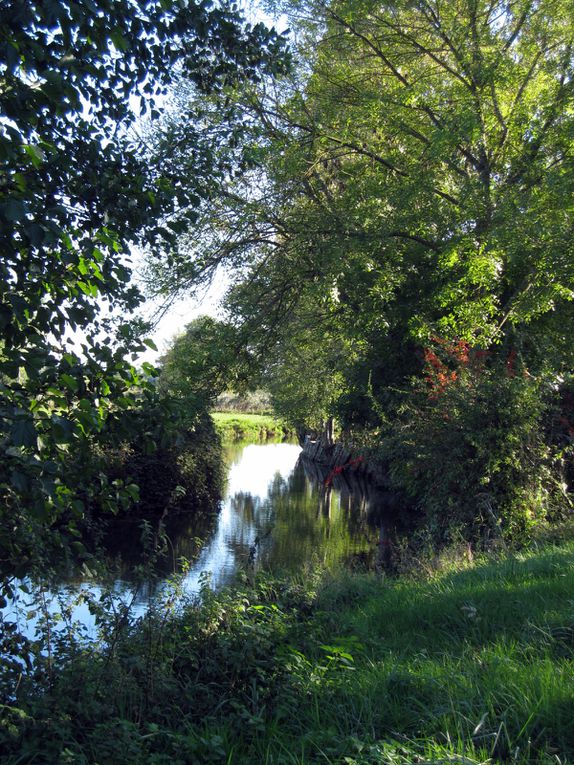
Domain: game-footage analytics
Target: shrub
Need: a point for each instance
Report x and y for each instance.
(471, 451)
(182, 469)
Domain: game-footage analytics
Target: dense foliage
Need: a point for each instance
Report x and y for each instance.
(206, 359)
(408, 191)
(396, 218)
(75, 193)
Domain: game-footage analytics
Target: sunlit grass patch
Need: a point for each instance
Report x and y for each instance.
(259, 427)
(483, 658)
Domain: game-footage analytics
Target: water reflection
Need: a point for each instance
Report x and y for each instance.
(280, 512)
(286, 513)
(251, 470)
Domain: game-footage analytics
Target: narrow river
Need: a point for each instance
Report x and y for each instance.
(279, 513)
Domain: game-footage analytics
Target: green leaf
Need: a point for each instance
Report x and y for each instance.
(70, 382)
(133, 491)
(35, 153)
(14, 210)
(88, 288)
(20, 481)
(63, 429)
(149, 369)
(35, 234)
(79, 507)
(119, 40)
(12, 55)
(24, 433)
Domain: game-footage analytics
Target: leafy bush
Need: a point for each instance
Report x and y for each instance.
(471, 451)
(175, 462)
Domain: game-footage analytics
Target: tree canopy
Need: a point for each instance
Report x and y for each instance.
(412, 180)
(76, 191)
(407, 189)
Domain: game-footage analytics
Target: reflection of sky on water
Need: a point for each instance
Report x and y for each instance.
(27, 611)
(252, 472)
(257, 467)
(248, 484)
(277, 512)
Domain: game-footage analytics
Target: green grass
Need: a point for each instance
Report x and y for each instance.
(472, 665)
(477, 663)
(238, 426)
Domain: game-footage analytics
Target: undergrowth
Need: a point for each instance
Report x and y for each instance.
(467, 664)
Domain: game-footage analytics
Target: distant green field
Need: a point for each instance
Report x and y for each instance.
(238, 426)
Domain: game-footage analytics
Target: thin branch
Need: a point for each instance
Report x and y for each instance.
(498, 113)
(520, 23)
(467, 154)
(415, 238)
(364, 151)
(438, 26)
(375, 48)
(533, 148)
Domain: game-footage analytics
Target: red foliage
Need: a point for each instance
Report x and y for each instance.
(339, 469)
(510, 363)
(439, 372)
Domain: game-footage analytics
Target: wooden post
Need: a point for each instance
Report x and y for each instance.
(330, 431)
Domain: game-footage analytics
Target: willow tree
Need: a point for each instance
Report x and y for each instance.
(415, 179)
(410, 186)
(448, 130)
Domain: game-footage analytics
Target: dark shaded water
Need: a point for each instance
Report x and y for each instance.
(277, 513)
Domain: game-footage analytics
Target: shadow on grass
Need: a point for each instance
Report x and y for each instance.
(482, 657)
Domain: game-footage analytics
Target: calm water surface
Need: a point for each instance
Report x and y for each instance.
(277, 513)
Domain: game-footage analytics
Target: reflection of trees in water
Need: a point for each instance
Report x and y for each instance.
(300, 519)
(246, 511)
(357, 495)
(130, 542)
(367, 510)
(311, 521)
(245, 506)
(255, 519)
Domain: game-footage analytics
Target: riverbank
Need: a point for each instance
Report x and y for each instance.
(460, 661)
(343, 459)
(240, 426)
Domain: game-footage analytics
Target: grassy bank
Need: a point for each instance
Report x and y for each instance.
(468, 666)
(241, 426)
